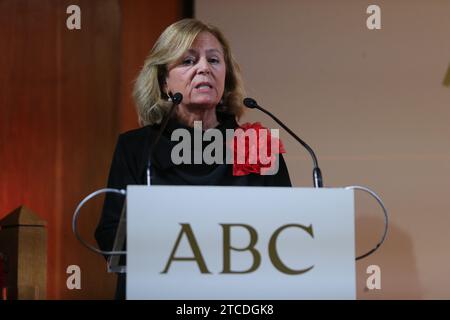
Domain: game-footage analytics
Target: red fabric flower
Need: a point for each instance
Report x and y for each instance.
(253, 153)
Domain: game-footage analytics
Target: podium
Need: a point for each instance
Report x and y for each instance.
(240, 243)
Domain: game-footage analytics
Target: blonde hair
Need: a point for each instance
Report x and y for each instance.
(173, 42)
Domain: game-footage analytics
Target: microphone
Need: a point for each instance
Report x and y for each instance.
(317, 174)
(176, 100)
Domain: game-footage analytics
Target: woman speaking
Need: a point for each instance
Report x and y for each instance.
(192, 62)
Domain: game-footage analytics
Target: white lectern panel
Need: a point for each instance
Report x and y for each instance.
(186, 242)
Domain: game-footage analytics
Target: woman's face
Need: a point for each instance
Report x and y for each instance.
(200, 73)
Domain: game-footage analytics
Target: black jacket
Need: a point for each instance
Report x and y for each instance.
(129, 166)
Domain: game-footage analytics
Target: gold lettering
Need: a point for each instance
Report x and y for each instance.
(186, 229)
(273, 254)
(251, 247)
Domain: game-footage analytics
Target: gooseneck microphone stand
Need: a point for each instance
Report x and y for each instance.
(317, 174)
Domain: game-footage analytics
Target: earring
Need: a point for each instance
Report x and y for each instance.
(169, 98)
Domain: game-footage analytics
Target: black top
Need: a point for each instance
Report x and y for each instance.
(129, 167)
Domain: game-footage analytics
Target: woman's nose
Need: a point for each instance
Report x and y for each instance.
(203, 66)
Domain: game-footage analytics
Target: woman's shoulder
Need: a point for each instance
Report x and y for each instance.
(137, 133)
(135, 143)
(137, 136)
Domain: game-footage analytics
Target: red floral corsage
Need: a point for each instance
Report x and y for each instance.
(255, 149)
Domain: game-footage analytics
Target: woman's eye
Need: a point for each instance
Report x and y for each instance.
(214, 60)
(188, 61)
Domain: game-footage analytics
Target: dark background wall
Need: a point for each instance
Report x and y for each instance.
(65, 95)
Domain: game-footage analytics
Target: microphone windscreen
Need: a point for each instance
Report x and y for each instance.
(250, 103)
(177, 98)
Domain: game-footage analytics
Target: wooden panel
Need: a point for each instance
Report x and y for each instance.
(64, 97)
(142, 23)
(28, 104)
(89, 71)
(58, 125)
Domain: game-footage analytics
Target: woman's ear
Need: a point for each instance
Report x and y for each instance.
(164, 86)
(162, 80)
(166, 92)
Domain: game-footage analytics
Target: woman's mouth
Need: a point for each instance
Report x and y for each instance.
(203, 87)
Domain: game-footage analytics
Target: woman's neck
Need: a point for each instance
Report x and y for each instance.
(187, 116)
